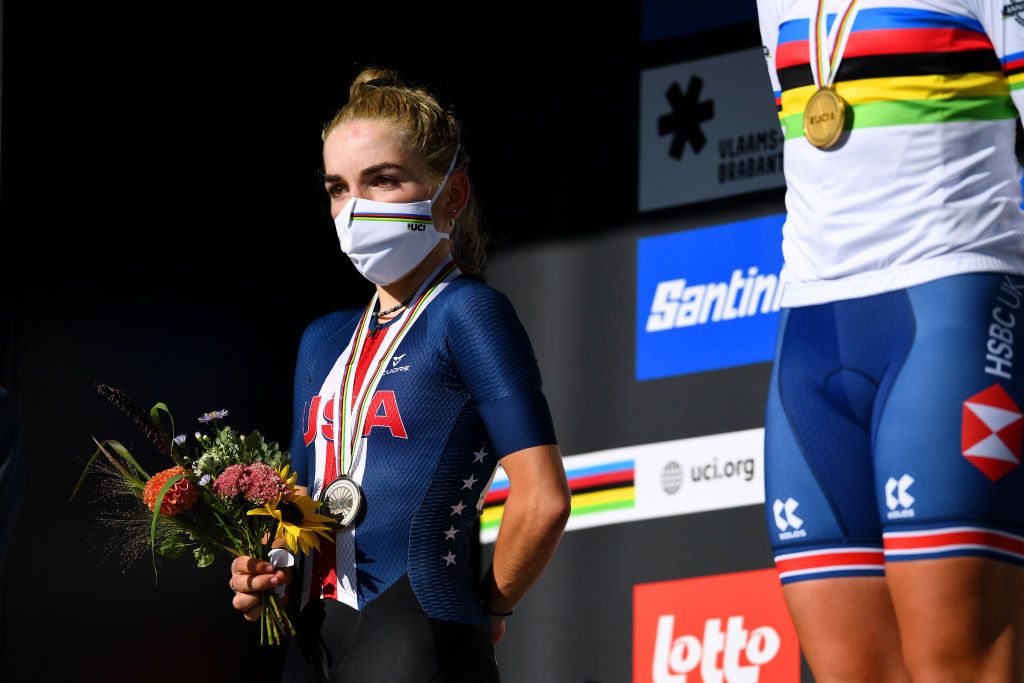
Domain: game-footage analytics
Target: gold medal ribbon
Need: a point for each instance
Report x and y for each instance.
(346, 433)
(825, 62)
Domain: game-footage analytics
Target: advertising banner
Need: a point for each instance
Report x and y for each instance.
(729, 628)
(708, 129)
(708, 298)
(653, 480)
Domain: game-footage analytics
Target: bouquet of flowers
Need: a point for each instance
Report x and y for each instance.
(227, 492)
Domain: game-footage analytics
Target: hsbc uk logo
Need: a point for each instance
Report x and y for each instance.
(991, 431)
(897, 497)
(786, 520)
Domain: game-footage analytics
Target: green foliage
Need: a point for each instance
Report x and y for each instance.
(203, 555)
(227, 448)
(156, 513)
(172, 547)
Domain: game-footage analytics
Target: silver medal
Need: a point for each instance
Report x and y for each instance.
(344, 501)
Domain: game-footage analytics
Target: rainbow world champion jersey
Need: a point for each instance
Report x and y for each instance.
(926, 184)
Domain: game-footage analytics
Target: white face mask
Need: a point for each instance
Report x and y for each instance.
(387, 240)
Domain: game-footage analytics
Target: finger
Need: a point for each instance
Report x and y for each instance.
(243, 602)
(254, 613)
(255, 583)
(250, 565)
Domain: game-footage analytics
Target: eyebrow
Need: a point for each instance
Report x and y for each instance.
(376, 168)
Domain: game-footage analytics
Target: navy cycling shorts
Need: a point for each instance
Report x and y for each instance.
(893, 429)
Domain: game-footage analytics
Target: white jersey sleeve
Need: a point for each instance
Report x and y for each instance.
(768, 19)
(1003, 21)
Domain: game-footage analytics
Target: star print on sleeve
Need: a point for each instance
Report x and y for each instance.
(449, 558)
(469, 483)
(450, 534)
(457, 509)
(478, 456)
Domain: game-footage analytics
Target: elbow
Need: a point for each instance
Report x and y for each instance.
(548, 510)
(559, 508)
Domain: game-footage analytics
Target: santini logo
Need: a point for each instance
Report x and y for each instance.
(677, 304)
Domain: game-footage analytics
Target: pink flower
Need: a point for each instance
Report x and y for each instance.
(228, 484)
(257, 483)
(264, 484)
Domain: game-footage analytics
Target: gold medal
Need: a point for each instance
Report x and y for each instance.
(824, 118)
(825, 112)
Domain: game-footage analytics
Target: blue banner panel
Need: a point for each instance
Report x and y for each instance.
(671, 18)
(708, 298)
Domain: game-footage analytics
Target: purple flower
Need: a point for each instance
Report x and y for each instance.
(213, 415)
(180, 439)
(205, 480)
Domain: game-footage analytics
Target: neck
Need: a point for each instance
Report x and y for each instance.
(400, 290)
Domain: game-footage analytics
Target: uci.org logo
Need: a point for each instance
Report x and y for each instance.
(708, 298)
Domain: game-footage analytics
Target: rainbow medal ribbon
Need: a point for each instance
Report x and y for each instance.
(343, 498)
(825, 113)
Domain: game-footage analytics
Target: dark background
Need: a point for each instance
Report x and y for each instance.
(163, 229)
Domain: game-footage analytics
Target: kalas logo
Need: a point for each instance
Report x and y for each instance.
(731, 628)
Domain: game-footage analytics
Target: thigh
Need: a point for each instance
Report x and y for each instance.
(847, 629)
(397, 642)
(948, 434)
(820, 505)
(961, 618)
(819, 500)
(948, 481)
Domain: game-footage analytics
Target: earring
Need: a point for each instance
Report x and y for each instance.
(451, 222)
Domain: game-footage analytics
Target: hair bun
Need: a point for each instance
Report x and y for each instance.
(375, 78)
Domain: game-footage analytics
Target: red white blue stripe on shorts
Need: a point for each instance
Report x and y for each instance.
(899, 546)
(953, 541)
(829, 563)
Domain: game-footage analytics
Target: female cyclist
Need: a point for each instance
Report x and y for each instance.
(403, 410)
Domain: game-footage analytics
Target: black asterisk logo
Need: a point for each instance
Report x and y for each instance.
(688, 112)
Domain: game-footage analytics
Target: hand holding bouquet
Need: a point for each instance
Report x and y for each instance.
(228, 493)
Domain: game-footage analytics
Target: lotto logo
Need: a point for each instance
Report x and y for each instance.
(991, 432)
(685, 653)
(732, 628)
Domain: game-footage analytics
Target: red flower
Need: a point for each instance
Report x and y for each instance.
(180, 497)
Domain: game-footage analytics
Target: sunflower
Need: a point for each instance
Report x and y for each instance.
(297, 521)
(289, 480)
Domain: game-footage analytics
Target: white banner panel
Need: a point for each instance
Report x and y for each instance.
(653, 480)
(708, 129)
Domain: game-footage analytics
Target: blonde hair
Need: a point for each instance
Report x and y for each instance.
(432, 133)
